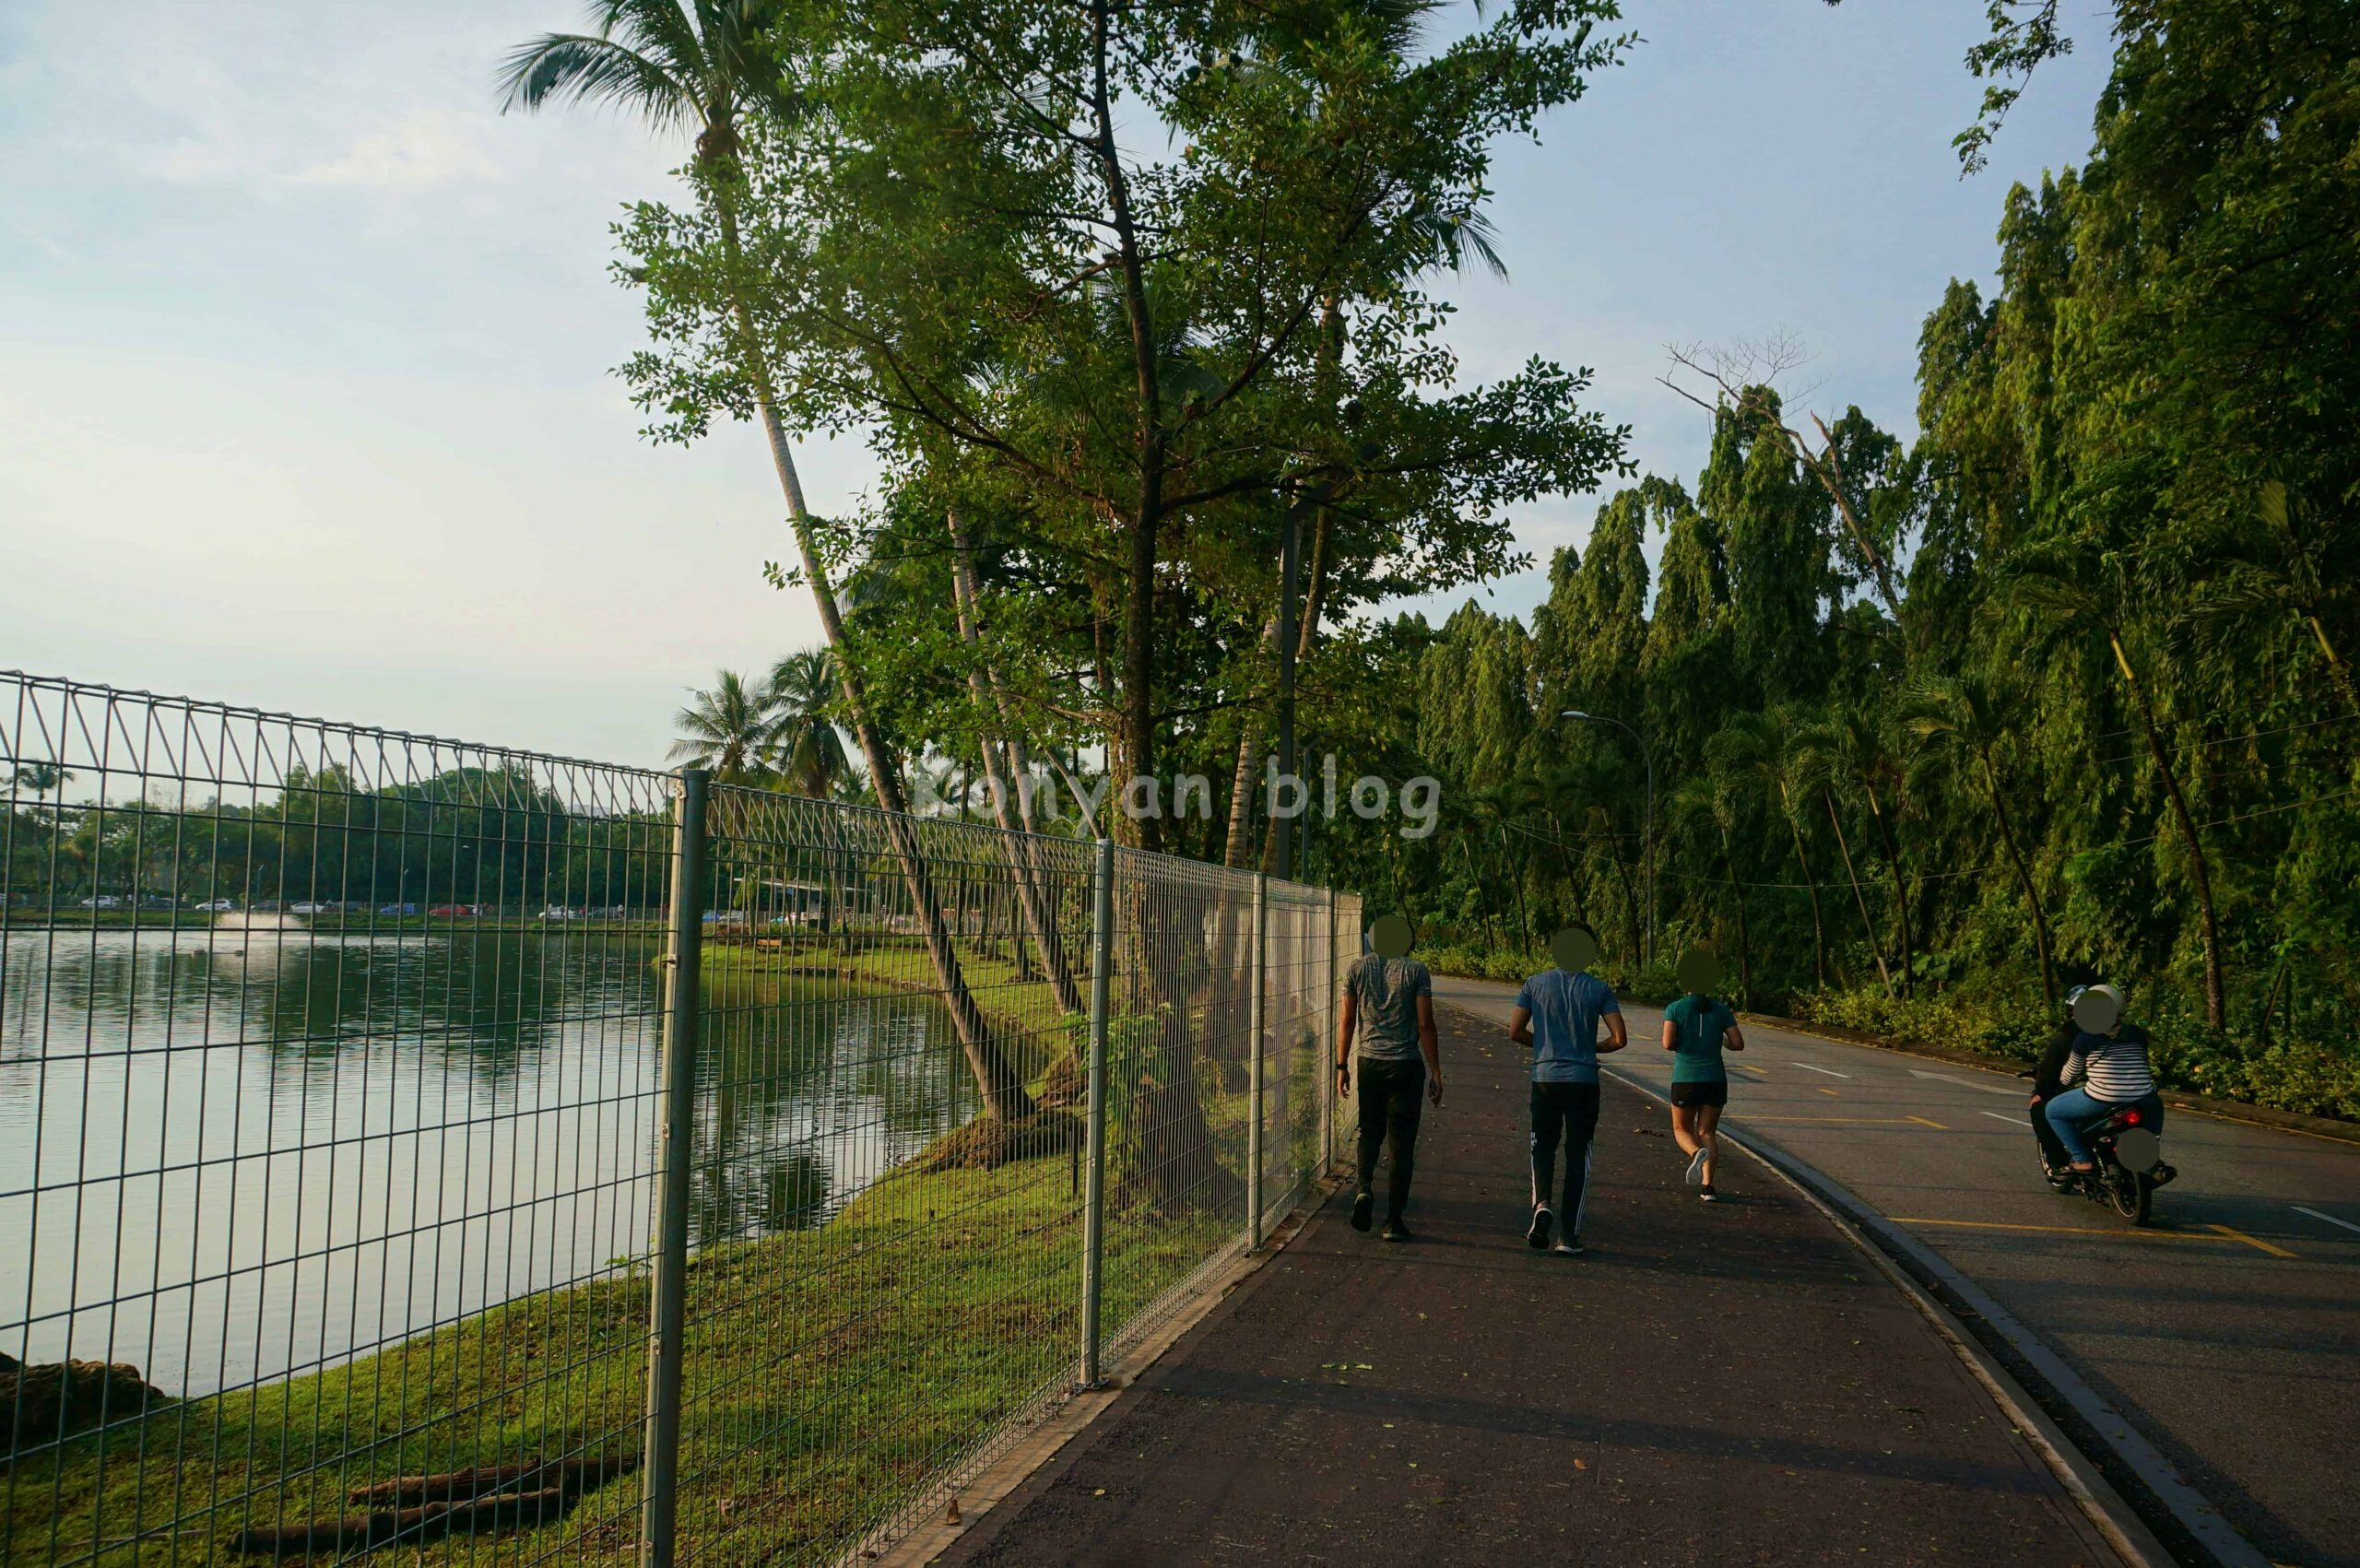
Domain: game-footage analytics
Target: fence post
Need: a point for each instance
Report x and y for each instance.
(1256, 1016)
(1093, 1206)
(667, 1314)
(1326, 1067)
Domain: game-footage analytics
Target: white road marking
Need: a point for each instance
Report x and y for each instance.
(2329, 1217)
(2012, 1121)
(1829, 1071)
(1965, 1082)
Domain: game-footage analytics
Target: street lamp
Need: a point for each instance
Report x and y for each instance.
(1649, 758)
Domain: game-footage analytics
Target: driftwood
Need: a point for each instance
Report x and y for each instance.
(573, 1476)
(477, 1501)
(366, 1532)
(47, 1401)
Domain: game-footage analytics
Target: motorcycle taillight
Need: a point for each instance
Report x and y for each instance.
(2130, 1118)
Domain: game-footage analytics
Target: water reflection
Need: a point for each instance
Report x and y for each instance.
(228, 1155)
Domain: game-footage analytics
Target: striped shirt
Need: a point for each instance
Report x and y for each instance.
(2114, 1069)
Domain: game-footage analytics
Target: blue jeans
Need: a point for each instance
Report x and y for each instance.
(2069, 1112)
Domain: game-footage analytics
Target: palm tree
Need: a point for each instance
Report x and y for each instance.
(700, 63)
(1708, 798)
(2285, 569)
(2067, 590)
(1815, 744)
(1967, 711)
(1760, 748)
(730, 731)
(1852, 744)
(810, 749)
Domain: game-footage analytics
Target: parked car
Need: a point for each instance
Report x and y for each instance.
(311, 908)
(725, 917)
(456, 909)
(398, 909)
(102, 900)
(218, 906)
(558, 912)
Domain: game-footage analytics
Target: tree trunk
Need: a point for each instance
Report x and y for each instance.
(2337, 670)
(1039, 922)
(1745, 946)
(1900, 892)
(1811, 885)
(1148, 441)
(2215, 993)
(1002, 1089)
(2023, 877)
(1876, 949)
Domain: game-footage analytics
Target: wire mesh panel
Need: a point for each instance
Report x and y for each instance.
(388, 1158)
(888, 1179)
(326, 1066)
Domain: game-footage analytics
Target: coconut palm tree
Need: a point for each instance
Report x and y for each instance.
(1710, 797)
(1851, 742)
(2284, 566)
(1969, 714)
(810, 749)
(1815, 745)
(2064, 591)
(700, 63)
(1760, 749)
(731, 731)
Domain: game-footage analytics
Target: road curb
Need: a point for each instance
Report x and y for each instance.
(2082, 1414)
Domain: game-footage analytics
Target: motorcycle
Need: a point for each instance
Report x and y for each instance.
(2127, 1157)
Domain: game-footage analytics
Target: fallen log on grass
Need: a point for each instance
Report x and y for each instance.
(407, 1527)
(575, 1477)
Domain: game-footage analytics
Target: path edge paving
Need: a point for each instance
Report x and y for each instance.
(2124, 1527)
(2068, 1420)
(1052, 1448)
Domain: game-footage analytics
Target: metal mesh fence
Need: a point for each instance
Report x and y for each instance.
(388, 1157)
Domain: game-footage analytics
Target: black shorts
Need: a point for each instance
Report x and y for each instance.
(1713, 1093)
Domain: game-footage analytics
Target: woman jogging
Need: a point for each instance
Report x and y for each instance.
(1699, 1027)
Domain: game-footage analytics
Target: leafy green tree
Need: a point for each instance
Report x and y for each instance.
(1977, 717)
(1766, 751)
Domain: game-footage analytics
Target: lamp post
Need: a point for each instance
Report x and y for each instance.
(1646, 757)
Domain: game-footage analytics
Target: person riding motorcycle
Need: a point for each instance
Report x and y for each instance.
(2047, 1081)
(2106, 1069)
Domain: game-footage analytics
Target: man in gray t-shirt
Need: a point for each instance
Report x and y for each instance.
(1389, 1001)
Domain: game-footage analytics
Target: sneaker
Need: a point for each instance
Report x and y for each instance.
(1537, 1236)
(1396, 1231)
(1364, 1205)
(1709, 1196)
(1569, 1246)
(1697, 1168)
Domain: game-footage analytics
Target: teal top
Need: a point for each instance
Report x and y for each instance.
(1701, 1021)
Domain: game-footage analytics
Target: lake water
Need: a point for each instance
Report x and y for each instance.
(227, 1156)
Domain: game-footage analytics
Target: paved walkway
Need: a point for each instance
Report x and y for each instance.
(1710, 1385)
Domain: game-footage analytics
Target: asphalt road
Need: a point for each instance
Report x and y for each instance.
(1710, 1385)
(2228, 1330)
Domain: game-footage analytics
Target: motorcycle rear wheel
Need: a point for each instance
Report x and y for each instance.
(2133, 1195)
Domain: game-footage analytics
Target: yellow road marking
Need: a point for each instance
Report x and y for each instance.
(1830, 1093)
(1853, 1121)
(2253, 1242)
(2151, 1233)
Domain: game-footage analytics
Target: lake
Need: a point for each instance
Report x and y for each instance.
(226, 1156)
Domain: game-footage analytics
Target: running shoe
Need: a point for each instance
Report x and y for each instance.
(1364, 1205)
(1709, 1196)
(1396, 1231)
(1537, 1236)
(1569, 1246)
(1697, 1168)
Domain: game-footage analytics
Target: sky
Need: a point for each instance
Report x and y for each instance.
(306, 352)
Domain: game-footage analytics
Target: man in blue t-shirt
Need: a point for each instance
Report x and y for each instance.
(1557, 1014)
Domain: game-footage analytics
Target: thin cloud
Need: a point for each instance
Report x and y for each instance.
(425, 151)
